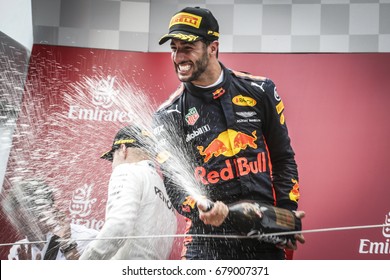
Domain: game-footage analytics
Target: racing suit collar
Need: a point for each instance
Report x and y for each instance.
(209, 94)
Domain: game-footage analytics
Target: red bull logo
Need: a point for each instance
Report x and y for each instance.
(242, 167)
(218, 92)
(188, 204)
(228, 143)
(294, 193)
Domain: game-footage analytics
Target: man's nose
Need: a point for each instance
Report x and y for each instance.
(178, 56)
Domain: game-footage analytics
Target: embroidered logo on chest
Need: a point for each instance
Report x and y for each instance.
(192, 116)
(244, 101)
(218, 93)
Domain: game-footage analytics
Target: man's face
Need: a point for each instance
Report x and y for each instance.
(117, 157)
(190, 60)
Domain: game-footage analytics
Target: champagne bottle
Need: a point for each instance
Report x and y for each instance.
(254, 218)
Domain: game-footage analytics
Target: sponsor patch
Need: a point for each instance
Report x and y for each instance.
(218, 92)
(294, 193)
(248, 121)
(192, 116)
(280, 107)
(240, 100)
(233, 168)
(188, 204)
(228, 143)
(186, 19)
(276, 95)
(246, 114)
(197, 132)
(257, 85)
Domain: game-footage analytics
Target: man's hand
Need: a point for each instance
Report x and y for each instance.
(64, 231)
(24, 253)
(62, 227)
(292, 245)
(215, 216)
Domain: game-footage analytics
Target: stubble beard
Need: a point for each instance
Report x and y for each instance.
(200, 67)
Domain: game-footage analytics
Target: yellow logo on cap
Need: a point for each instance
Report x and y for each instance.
(185, 37)
(213, 33)
(124, 141)
(187, 19)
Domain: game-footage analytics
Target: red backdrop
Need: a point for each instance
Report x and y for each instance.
(336, 111)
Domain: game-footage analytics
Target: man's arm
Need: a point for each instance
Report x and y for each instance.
(123, 202)
(20, 252)
(284, 167)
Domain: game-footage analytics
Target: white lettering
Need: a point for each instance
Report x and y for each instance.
(248, 120)
(362, 245)
(97, 114)
(158, 130)
(93, 224)
(378, 248)
(72, 109)
(197, 132)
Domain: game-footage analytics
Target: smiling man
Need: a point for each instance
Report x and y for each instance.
(233, 124)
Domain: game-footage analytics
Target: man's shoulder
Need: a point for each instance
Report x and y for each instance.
(82, 230)
(248, 76)
(172, 98)
(259, 85)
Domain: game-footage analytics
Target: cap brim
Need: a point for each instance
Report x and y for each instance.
(180, 35)
(107, 155)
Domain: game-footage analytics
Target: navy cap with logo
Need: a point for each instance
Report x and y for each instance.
(192, 24)
(131, 136)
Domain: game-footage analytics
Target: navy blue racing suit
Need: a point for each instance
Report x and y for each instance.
(236, 135)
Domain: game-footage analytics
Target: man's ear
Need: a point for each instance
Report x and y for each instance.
(123, 148)
(122, 151)
(214, 47)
